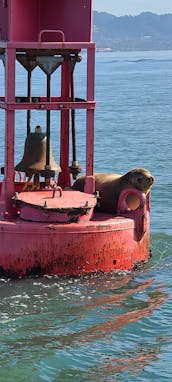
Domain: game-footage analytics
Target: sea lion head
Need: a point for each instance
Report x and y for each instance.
(141, 179)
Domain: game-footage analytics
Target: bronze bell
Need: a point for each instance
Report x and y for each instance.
(34, 157)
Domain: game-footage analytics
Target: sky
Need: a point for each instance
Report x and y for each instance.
(133, 7)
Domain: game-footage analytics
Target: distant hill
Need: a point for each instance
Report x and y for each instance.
(146, 31)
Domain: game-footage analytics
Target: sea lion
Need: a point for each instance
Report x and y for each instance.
(110, 186)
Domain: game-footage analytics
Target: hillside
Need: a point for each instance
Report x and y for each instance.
(146, 31)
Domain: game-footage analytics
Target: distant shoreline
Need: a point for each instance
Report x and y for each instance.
(145, 32)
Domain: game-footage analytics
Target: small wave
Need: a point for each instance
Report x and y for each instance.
(144, 60)
(140, 60)
(116, 322)
(161, 248)
(161, 236)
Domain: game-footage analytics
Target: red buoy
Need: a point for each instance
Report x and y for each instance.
(45, 225)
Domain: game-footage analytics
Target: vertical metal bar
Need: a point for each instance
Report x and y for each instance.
(10, 56)
(91, 73)
(64, 176)
(89, 184)
(48, 121)
(29, 100)
(73, 119)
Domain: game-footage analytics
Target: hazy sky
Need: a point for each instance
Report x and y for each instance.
(133, 7)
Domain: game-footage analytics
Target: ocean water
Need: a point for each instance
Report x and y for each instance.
(106, 327)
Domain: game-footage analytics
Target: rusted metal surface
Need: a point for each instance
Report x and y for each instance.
(54, 205)
(103, 244)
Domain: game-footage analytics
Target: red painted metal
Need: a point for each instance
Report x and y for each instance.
(54, 205)
(22, 20)
(104, 243)
(57, 230)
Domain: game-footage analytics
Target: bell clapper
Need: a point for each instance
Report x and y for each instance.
(28, 178)
(47, 182)
(36, 182)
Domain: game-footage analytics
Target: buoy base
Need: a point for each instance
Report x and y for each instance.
(104, 244)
